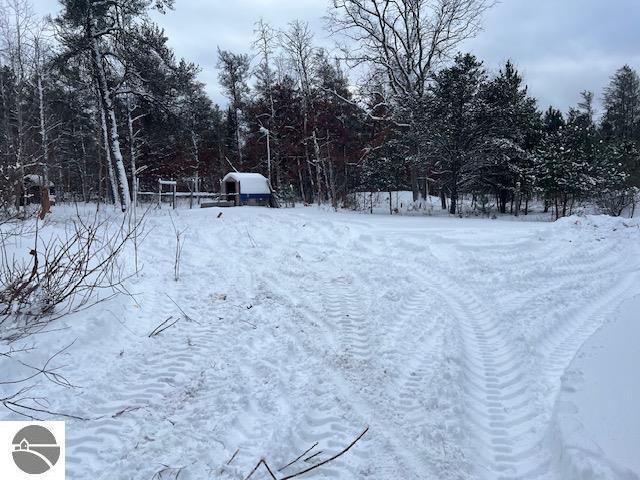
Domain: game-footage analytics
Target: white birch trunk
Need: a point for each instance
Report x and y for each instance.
(43, 135)
(111, 130)
(107, 152)
(132, 154)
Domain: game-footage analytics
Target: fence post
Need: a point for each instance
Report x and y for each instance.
(175, 191)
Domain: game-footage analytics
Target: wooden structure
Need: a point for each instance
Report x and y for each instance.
(247, 189)
(34, 187)
(174, 190)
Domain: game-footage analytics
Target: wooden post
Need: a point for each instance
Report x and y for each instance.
(175, 191)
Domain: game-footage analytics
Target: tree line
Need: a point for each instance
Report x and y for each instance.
(96, 101)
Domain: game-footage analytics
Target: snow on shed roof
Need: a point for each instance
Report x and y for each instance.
(36, 179)
(250, 182)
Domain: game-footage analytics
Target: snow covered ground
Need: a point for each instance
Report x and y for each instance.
(599, 419)
(448, 337)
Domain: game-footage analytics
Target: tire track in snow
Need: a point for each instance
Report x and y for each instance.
(498, 402)
(347, 308)
(146, 388)
(349, 311)
(507, 421)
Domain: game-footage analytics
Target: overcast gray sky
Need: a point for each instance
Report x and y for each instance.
(561, 46)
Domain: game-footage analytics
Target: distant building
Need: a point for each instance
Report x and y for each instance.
(33, 190)
(247, 189)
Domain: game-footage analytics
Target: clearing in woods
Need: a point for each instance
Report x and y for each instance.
(449, 338)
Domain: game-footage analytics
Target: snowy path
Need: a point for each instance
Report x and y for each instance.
(448, 337)
(597, 415)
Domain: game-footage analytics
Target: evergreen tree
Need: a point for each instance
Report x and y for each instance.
(575, 164)
(621, 122)
(515, 126)
(552, 120)
(455, 122)
(385, 168)
(622, 105)
(233, 75)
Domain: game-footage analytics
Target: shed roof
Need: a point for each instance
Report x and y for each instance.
(255, 183)
(36, 180)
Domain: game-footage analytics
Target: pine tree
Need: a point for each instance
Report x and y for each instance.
(454, 122)
(621, 122)
(515, 127)
(575, 164)
(385, 168)
(552, 120)
(102, 31)
(233, 75)
(622, 105)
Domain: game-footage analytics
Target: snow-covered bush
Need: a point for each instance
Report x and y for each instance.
(616, 202)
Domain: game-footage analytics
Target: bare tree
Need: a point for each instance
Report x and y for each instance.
(404, 42)
(42, 52)
(297, 42)
(265, 43)
(16, 24)
(406, 39)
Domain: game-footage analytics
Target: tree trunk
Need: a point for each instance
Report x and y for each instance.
(301, 180)
(415, 184)
(318, 163)
(45, 205)
(113, 138)
(83, 169)
(132, 152)
(235, 110)
(503, 197)
(107, 156)
(454, 197)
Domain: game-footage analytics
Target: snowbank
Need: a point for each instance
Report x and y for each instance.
(597, 413)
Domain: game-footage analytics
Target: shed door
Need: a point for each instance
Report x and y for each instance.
(230, 186)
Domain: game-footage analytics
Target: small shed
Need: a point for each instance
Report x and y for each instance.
(247, 189)
(34, 185)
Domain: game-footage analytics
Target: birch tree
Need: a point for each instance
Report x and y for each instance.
(265, 44)
(297, 42)
(42, 54)
(97, 29)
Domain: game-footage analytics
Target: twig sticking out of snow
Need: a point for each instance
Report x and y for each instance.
(168, 472)
(233, 456)
(163, 326)
(255, 469)
(179, 246)
(186, 317)
(19, 402)
(299, 457)
(310, 457)
(264, 463)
